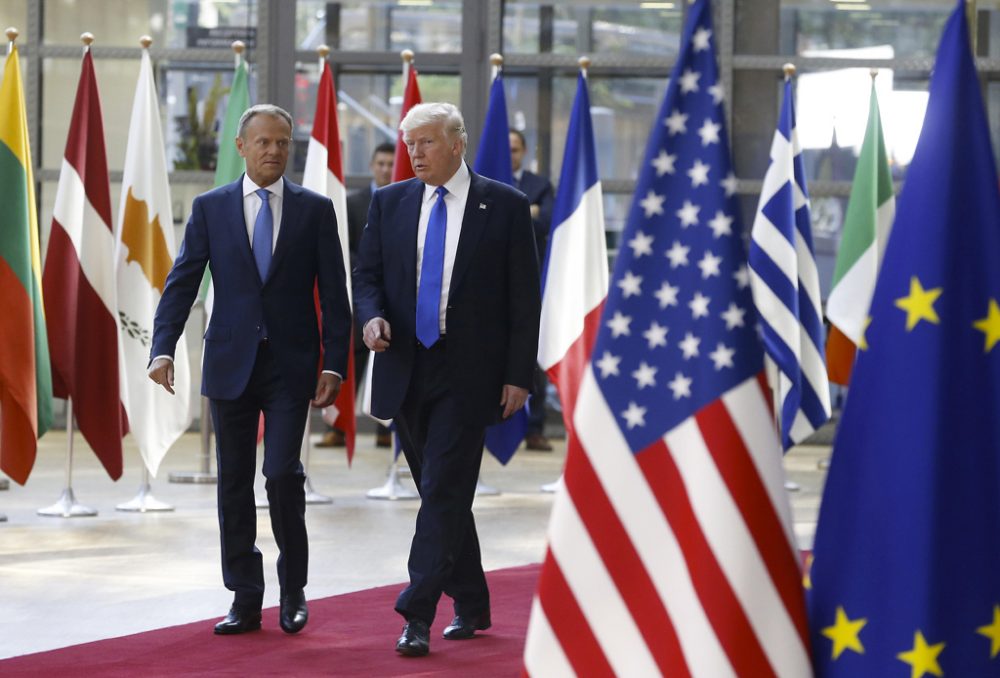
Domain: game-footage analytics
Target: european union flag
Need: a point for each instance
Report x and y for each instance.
(493, 162)
(906, 577)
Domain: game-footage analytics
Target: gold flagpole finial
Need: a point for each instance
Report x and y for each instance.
(789, 70)
(145, 41)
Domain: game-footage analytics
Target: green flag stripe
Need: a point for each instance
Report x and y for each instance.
(872, 187)
(14, 245)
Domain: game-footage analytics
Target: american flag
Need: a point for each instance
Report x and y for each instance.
(670, 546)
(786, 285)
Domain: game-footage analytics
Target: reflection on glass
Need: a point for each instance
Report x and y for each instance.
(178, 23)
(910, 28)
(389, 25)
(195, 106)
(368, 108)
(611, 27)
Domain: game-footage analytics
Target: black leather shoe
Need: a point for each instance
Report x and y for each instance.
(463, 628)
(294, 612)
(238, 620)
(416, 639)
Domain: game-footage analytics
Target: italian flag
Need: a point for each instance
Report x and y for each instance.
(870, 212)
(25, 374)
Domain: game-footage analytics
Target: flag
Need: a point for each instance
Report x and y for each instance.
(25, 375)
(324, 174)
(670, 546)
(493, 162)
(81, 306)
(401, 167)
(904, 580)
(229, 164)
(575, 275)
(785, 285)
(144, 256)
(870, 211)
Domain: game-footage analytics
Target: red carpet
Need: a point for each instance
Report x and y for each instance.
(347, 635)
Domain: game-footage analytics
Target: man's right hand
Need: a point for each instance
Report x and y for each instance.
(377, 334)
(161, 371)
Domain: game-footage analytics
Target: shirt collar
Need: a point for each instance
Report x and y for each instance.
(277, 188)
(518, 174)
(458, 185)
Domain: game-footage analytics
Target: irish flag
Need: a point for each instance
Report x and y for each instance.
(81, 305)
(145, 242)
(25, 375)
(870, 212)
(324, 173)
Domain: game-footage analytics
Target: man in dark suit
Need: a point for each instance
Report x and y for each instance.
(357, 215)
(267, 242)
(447, 291)
(541, 196)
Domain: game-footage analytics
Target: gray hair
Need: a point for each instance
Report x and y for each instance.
(263, 109)
(428, 114)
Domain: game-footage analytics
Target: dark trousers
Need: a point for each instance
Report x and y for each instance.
(444, 454)
(236, 454)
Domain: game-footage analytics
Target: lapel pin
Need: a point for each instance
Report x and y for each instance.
(482, 205)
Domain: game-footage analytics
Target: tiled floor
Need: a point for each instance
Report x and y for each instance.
(67, 581)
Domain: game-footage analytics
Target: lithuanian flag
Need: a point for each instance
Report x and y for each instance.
(25, 374)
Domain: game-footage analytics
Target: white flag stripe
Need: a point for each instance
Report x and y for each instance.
(735, 550)
(564, 306)
(596, 593)
(92, 239)
(808, 276)
(849, 301)
(318, 177)
(786, 325)
(777, 247)
(651, 535)
(543, 654)
(752, 417)
(783, 172)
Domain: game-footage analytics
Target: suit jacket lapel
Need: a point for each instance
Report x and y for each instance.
(409, 208)
(477, 207)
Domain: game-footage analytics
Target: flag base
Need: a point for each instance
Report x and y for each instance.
(553, 486)
(194, 477)
(67, 507)
(314, 497)
(484, 490)
(792, 486)
(3, 518)
(144, 502)
(4, 484)
(823, 464)
(392, 489)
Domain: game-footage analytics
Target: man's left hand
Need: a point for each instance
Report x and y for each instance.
(327, 389)
(512, 399)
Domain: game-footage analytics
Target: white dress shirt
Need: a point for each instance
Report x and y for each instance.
(252, 204)
(454, 202)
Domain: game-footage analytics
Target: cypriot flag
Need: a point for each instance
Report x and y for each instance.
(145, 253)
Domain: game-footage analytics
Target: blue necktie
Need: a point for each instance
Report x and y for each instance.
(263, 234)
(431, 273)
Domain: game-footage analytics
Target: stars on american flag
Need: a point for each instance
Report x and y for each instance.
(685, 210)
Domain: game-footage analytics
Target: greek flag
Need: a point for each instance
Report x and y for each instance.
(785, 286)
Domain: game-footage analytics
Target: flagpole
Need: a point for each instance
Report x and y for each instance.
(144, 501)
(205, 476)
(312, 496)
(392, 489)
(67, 506)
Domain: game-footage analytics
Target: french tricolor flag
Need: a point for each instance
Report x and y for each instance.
(575, 275)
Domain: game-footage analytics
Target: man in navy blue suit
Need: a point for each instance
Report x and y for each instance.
(446, 289)
(541, 197)
(268, 242)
